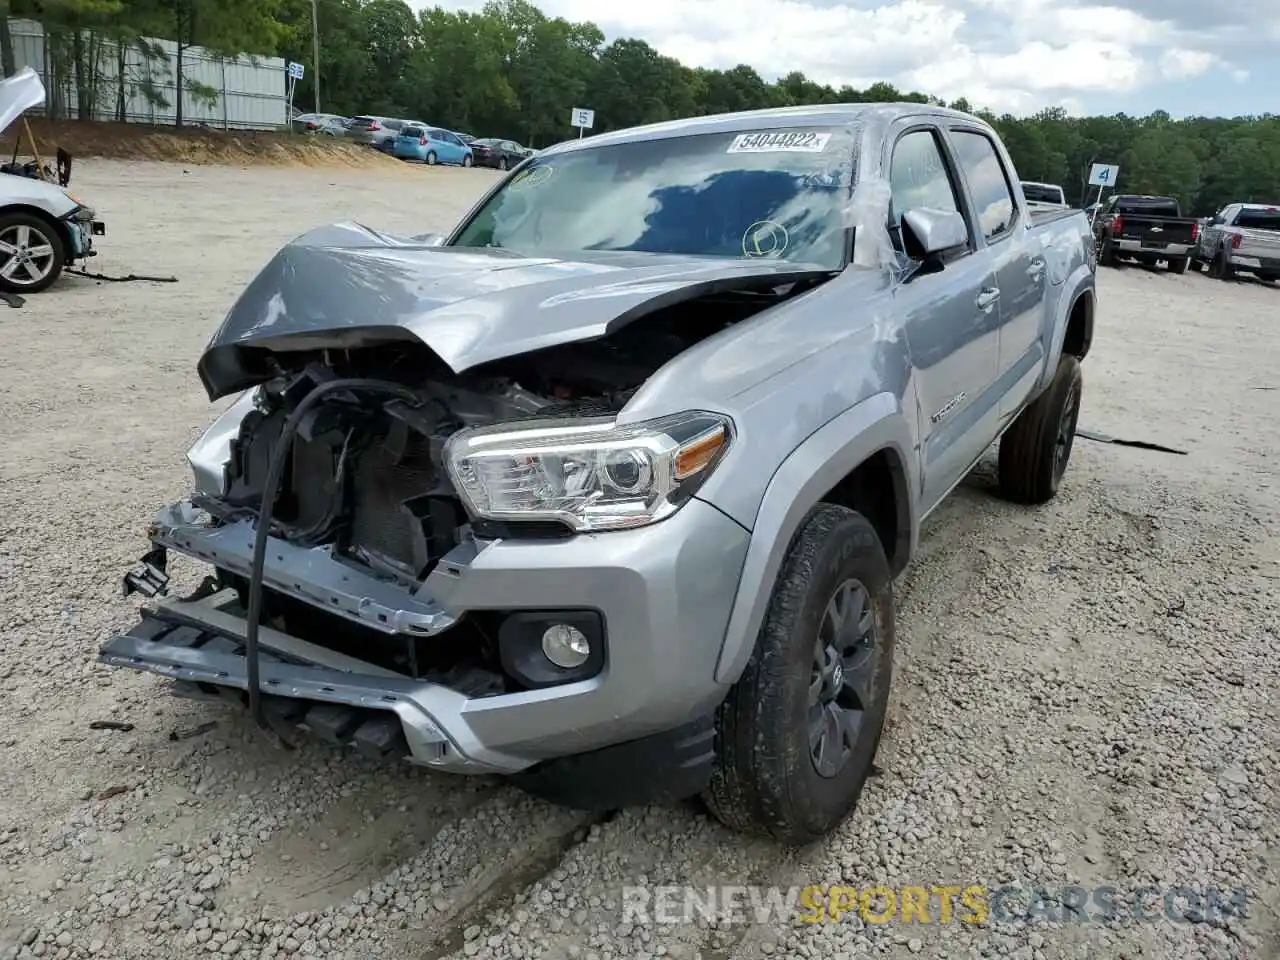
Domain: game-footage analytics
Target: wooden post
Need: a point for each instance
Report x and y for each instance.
(35, 150)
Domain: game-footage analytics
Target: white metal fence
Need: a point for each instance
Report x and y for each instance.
(124, 84)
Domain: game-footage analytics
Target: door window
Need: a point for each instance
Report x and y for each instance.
(918, 176)
(988, 182)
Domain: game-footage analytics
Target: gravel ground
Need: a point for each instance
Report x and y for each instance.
(1082, 697)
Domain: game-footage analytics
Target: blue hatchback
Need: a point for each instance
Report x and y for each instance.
(431, 145)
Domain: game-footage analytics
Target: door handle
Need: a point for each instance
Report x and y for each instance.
(1036, 270)
(987, 299)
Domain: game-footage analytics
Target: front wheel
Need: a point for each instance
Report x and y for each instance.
(1034, 451)
(799, 730)
(32, 253)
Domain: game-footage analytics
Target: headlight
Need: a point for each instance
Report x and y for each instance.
(590, 475)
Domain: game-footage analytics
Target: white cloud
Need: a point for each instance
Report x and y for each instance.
(1014, 55)
(1178, 63)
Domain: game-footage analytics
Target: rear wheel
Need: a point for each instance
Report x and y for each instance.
(32, 253)
(1107, 254)
(502, 163)
(1034, 451)
(466, 160)
(1178, 265)
(1221, 268)
(797, 734)
(431, 158)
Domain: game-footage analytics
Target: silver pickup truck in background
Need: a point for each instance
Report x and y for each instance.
(1043, 196)
(606, 490)
(1241, 236)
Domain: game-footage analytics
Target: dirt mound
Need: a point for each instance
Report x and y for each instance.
(191, 145)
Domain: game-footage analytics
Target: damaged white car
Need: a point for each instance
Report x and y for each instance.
(43, 228)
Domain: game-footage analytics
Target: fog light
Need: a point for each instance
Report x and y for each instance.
(566, 646)
(545, 648)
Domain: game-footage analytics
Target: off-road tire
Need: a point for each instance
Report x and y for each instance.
(42, 228)
(1029, 471)
(764, 781)
(1179, 265)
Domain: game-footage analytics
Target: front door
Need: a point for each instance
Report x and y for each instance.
(951, 321)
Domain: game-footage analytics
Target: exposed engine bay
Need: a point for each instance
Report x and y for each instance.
(366, 473)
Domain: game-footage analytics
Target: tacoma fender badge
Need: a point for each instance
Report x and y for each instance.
(948, 407)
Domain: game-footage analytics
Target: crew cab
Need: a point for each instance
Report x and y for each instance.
(606, 489)
(1146, 229)
(1241, 236)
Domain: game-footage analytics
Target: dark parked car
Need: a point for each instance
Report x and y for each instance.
(493, 152)
(1147, 229)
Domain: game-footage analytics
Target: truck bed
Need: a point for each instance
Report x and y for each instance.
(1050, 214)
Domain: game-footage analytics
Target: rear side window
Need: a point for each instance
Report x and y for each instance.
(435, 134)
(411, 132)
(1148, 206)
(918, 176)
(992, 196)
(362, 121)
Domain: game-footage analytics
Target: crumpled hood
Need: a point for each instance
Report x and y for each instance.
(345, 284)
(18, 94)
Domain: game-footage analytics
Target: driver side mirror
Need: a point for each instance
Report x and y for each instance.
(928, 233)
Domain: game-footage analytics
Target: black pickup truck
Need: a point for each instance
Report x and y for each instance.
(1146, 229)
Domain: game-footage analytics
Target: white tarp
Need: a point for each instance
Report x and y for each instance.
(19, 94)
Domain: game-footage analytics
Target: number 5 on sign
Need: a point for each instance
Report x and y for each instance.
(1104, 175)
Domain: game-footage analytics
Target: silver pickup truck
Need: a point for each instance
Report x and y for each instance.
(1241, 236)
(607, 489)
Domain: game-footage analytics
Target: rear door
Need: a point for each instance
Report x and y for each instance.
(1013, 252)
(951, 318)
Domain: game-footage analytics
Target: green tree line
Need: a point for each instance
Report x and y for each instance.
(511, 71)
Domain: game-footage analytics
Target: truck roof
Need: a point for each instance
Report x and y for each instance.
(829, 115)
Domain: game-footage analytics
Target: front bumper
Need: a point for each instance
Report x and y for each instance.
(82, 227)
(664, 593)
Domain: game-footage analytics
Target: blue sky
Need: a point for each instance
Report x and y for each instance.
(1183, 56)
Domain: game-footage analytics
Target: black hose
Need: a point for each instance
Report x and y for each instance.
(270, 489)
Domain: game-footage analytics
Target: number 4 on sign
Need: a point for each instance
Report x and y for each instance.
(1103, 174)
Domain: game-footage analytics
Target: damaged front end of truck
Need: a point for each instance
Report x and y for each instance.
(432, 436)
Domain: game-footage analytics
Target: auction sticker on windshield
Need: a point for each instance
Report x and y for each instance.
(780, 141)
